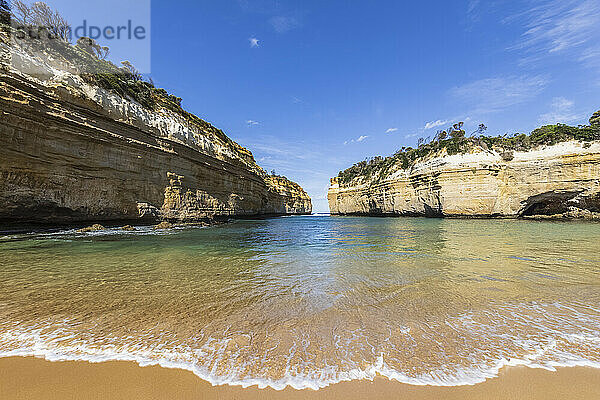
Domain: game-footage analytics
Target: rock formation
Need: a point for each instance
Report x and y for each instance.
(71, 151)
(559, 180)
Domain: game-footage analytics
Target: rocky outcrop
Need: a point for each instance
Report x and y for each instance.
(562, 180)
(71, 152)
(293, 199)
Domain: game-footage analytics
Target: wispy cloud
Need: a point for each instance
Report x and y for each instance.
(357, 140)
(283, 24)
(559, 27)
(473, 10)
(254, 42)
(561, 112)
(282, 153)
(495, 94)
(390, 130)
(435, 124)
(472, 5)
(252, 123)
(591, 59)
(294, 158)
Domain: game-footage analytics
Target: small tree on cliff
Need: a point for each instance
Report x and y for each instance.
(131, 71)
(457, 132)
(92, 47)
(21, 13)
(4, 12)
(40, 15)
(595, 119)
(440, 135)
(50, 19)
(480, 130)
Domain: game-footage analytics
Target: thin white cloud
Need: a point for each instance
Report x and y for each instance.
(357, 140)
(495, 94)
(472, 5)
(283, 24)
(556, 25)
(561, 103)
(591, 57)
(473, 10)
(565, 28)
(435, 124)
(390, 130)
(252, 123)
(561, 112)
(254, 42)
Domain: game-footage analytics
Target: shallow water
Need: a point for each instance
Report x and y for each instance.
(309, 301)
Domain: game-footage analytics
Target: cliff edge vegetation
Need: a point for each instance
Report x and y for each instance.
(553, 172)
(454, 141)
(83, 139)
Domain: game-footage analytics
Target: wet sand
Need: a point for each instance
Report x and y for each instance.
(32, 378)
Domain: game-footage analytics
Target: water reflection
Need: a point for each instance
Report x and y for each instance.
(307, 301)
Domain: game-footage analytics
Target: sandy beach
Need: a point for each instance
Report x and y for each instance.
(294, 199)
(32, 378)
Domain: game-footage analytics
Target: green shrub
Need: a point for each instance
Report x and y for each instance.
(379, 167)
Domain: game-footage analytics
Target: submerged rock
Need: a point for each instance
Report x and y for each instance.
(128, 228)
(93, 228)
(164, 225)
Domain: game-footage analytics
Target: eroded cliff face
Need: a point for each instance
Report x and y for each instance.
(560, 180)
(70, 152)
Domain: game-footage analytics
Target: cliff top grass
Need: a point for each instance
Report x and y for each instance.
(454, 141)
(278, 180)
(87, 59)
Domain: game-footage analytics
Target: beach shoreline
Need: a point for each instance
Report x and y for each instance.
(35, 378)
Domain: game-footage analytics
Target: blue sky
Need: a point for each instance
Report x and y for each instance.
(313, 86)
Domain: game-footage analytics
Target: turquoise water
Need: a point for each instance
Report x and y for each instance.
(309, 301)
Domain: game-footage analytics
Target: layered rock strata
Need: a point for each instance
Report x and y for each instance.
(72, 152)
(562, 180)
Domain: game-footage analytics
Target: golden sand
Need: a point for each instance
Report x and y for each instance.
(32, 378)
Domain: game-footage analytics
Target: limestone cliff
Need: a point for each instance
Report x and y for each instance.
(561, 179)
(72, 151)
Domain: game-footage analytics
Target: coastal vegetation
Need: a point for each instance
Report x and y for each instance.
(454, 140)
(134, 153)
(39, 29)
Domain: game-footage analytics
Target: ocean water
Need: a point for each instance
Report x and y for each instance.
(309, 301)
